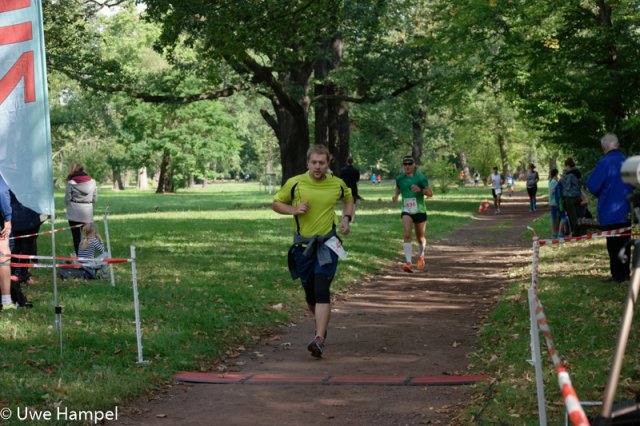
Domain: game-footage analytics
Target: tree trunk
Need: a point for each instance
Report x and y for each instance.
(163, 178)
(462, 158)
(331, 116)
(127, 178)
(502, 144)
(143, 180)
(117, 179)
(419, 115)
(553, 161)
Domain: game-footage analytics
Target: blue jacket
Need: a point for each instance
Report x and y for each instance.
(5, 200)
(606, 184)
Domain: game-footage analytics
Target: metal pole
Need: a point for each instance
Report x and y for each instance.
(623, 337)
(536, 356)
(136, 305)
(57, 309)
(106, 235)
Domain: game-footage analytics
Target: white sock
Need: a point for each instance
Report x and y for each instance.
(6, 299)
(408, 252)
(421, 250)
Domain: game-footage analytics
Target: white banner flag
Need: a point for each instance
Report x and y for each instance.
(25, 138)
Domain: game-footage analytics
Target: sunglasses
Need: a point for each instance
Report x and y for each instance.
(408, 164)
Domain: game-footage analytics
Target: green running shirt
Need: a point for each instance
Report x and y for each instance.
(322, 196)
(412, 202)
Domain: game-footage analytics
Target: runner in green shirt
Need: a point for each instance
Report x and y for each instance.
(413, 186)
(311, 199)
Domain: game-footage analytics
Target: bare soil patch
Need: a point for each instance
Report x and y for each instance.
(393, 324)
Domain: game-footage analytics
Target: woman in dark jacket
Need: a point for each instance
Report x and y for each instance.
(571, 193)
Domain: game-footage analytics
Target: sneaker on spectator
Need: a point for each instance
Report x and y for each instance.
(316, 347)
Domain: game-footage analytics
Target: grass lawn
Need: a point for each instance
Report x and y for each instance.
(212, 277)
(584, 315)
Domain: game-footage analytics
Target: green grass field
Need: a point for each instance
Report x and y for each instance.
(584, 315)
(212, 276)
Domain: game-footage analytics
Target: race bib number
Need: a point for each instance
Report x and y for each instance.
(335, 246)
(498, 191)
(411, 205)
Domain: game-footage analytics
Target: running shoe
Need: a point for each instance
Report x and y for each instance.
(421, 262)
(316, 346)
(11, 307)
(407, 268)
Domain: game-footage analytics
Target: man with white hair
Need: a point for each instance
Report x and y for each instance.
(606, 183)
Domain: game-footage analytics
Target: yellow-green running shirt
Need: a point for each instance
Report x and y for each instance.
(322, 197)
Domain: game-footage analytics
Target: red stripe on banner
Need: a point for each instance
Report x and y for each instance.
(7, 5)
(23, 68)
(16, 33)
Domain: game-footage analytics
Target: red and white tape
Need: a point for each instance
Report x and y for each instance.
(46, 232)
(571, 401)
(602, 234)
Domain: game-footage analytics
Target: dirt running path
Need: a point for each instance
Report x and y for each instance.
(396, 324)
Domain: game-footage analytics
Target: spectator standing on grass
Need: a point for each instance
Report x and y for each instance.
(5, 259)
(496, 180)
(311, 199)
(553, 203)
(24, 221)
(80, 195)
(476, 179)
(413, 186)
(606, 184)
(373, 178)
(571, 193)
(532, 186)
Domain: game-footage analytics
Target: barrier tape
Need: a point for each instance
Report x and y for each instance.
(49, 265)
(616, 232)
(106, 260)
(571, 401)
(47, 232)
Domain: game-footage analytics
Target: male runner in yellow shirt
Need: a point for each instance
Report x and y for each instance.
(311, 198)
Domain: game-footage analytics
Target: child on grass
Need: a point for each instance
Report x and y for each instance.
(90, 244)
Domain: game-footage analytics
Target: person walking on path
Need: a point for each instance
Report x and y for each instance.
(351, 176)
(570, 183)
(532, 186)
(509, 181)
(606, 184)
(413, 186)
(5, 259)
(553, 203)
(496, 180)
(311, 199)
(80, 195)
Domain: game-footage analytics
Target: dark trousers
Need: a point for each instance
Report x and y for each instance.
(619, 270)
(27, 245)
(77, 234)
(572, 205)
